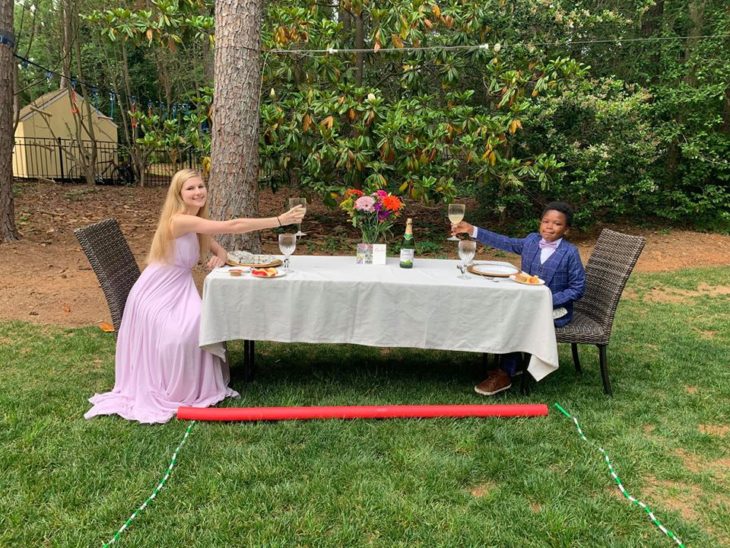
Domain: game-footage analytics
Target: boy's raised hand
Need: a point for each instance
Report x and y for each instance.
(461, 228)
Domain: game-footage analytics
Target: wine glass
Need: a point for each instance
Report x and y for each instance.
(293, 202)
(456, 214)
(467, 250)
(287, 245)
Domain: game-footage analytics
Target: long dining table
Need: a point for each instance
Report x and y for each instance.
(326, 299)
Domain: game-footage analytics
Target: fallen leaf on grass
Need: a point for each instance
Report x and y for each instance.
(106, 327)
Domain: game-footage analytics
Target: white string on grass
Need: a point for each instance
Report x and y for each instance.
(155, 491)
(621, 488)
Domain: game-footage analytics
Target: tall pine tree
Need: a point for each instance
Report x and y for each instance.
(8, 230)
(235, 140)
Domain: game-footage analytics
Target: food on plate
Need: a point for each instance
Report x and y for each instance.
(527, 278)
(235, 272)
(264, 272)
(247, 258)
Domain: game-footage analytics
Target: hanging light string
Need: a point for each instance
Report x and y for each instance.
(155, 491)
(498, 45)
(620, 486)
(25, 62)
(32, 84)
(95, 89)
(496, 48)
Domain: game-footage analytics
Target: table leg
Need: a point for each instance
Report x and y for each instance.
(485, 364)
(248, 360)
(525, 381)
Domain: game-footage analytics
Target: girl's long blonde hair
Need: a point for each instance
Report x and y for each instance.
(163, 243)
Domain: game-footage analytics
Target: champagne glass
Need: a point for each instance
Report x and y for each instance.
(456, 214)
(293, 202)
(467, 250)
(287, 245)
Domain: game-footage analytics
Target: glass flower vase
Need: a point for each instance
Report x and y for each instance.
(364, 253)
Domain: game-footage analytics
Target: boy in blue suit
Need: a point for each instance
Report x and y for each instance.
(545, 254)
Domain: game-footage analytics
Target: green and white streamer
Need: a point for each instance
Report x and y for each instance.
(615, 477)
(621, 488)
(155, 491)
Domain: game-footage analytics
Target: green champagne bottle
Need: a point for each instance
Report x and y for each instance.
(408, 247)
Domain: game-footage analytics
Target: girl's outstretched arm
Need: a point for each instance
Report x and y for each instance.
(182, 224)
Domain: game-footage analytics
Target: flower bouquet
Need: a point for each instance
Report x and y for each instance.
(373, 214)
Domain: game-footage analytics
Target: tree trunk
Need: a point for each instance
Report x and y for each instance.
(696, 11)
(651, 24)
(345, 18)
(163, 77)
(234, 148)
(208, 63)
(88, 153)
(8, 230)
(697, 17)
(137, 155)
(28, 48)
(359, 44)
(66, 11)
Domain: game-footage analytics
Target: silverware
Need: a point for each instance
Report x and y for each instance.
(493, 279)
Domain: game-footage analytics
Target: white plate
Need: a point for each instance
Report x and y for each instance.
(497, 269)
(540, 281)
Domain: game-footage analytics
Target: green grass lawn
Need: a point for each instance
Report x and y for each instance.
(66, 481)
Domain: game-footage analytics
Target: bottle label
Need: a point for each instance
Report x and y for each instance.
(406, 256)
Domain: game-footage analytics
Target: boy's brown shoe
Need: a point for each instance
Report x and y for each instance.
(497, 381)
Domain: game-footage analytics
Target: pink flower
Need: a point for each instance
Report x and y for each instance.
(365, 203)
(381, 193)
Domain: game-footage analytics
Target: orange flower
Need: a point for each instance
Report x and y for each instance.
(392, 203)
(353, 192)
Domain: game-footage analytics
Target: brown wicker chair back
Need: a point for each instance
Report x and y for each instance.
(608, 269)
(112, 261)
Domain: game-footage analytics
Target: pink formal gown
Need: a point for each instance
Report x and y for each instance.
(159, 365)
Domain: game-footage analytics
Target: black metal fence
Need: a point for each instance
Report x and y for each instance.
(61, 160)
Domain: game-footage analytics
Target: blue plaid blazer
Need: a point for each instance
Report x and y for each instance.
(563, 272)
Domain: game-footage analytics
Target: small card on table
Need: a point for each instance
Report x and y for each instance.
(379, 253)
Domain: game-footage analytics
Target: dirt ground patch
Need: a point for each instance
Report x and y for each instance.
(688, 498)
(482, 489)
(48, 280)
(690, 461)
(679, 497)
(674, 295)
(715, 429)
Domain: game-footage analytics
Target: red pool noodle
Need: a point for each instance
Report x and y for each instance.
(360, 412)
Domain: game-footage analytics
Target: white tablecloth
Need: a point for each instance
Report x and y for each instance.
(334, 300)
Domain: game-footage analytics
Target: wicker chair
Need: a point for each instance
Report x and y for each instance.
(112, 261)
(607, 272)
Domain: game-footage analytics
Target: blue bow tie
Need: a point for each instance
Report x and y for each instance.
(543, 244)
